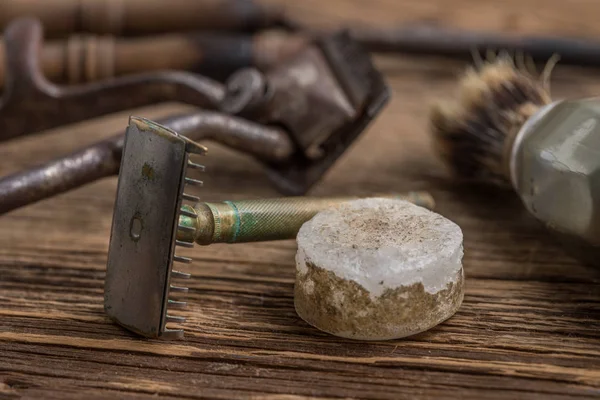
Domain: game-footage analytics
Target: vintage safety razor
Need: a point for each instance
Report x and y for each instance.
(154, 216)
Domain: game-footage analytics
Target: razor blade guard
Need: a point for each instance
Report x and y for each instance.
(144, 229)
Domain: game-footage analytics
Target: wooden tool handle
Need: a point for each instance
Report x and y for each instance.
(136, 17)
(88, 58)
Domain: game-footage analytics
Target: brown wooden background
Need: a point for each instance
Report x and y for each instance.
(529, 326)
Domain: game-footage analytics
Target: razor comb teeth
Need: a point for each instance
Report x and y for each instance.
(186, 211)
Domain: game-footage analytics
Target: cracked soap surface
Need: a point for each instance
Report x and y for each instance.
(377, 269)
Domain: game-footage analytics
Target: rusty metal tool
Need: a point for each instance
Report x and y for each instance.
(140, 17)
(424, 39)
(30, 103)
(88, 58)
(102, 159)
(432, 40)
(324, 96)
(154, 217)
(143, 17)
(307, 112)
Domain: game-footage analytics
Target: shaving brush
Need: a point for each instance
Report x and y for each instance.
(504, 128)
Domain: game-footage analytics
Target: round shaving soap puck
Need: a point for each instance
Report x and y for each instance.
(378, 269)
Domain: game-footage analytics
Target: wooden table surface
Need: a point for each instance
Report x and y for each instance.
(529, 326)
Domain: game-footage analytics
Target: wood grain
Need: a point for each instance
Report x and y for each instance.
(529, 326)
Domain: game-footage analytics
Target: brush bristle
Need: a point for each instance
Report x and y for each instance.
(494, 100)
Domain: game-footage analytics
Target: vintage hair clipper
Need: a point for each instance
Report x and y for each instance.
(152, 220)
(324, 97)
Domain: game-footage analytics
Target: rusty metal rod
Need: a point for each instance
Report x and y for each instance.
(428, 40)
(101, 160)
(141, 17)
(89, 58)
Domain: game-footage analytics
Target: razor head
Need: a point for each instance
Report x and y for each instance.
(143, 238)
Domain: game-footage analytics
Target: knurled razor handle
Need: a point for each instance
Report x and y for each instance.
(262, 220)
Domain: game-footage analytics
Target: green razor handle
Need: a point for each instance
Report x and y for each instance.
(262, 219)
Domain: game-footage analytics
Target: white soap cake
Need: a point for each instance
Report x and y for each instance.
(377, 269)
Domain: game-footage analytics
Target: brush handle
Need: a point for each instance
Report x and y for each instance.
(139, 17)
(264, 219)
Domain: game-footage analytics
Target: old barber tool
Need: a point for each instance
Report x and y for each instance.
(324, 97)
(102, 159)
(154, 216)
(424, 39)
(138, 17)
(88, 58)
(30, 103)
(310, 109)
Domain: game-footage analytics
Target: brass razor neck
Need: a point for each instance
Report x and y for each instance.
(263, 219)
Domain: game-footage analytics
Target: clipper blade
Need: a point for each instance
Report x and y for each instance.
(145, 223)
(363, 93)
